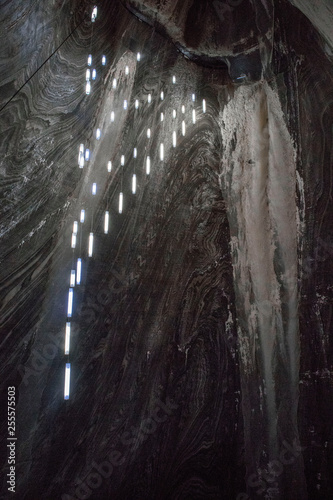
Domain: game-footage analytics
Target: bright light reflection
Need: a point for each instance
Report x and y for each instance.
(109, 166)
(161, 151)
(91, 244)
(73, 242)
(87, 154)
(72, 279)
(183, 108)
(135, 152)
(89, 60)
(136, 104)
(121, 199)
(173, 79)
(94, 74)
(103, 60)
(174, 139)
(183, 128)
(126, 70)
(193, 116)
(67, 380)
(174, 113)
(106, 222)
(112, 116)
(148, 133)
(134, 184)
(98, 133)
(149, 98)
(162, 96)
(88, 75)
(94, 188)
(88, 88)
(204, 105)
(193, 97)
(78, 271)
(162, 117)
(122, 160)
(138, 56)
(148, 165)
(70, 303)
(82, 215)
(67, 337)
(75, 227)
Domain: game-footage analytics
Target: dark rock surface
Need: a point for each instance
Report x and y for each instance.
(201, 335)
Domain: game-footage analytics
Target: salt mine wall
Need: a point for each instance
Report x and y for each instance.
(195, 240)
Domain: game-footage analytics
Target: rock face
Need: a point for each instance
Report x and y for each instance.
(201, 330)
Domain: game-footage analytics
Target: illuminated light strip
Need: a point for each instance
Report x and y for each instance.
(149, 98)
(193, 116)
(112, 116)
(204, 105)
(183, 128)
(135, 152)
(122, 160)
(98, 134)
(72, 279)
(70, 303)
(94, 74)
(148, 133)
(174, 139)
(121, 199)
(82, 215)
(91, 244)
(73, 241)
(94, 188)
(88, 88)
(162, 117)
(174, 113)
(109, 166)
(89, 60)
(106, 222)
(87, 155)
(161, 151)
(162, 95)
(88, 75)
(78, 271)
(103, 61)
(148, 165)
(183, 109)
(67, 337)
(136, 103)
(67, 380)
(134, 184)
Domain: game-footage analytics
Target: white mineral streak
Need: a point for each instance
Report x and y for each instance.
(258, 180)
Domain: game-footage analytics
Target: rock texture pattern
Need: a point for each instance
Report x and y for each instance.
(201, 331)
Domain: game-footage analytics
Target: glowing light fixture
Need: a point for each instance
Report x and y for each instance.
(148, 165)
(70, 303)
(67, 380)
(88, 88)
(106, 222)
(174, 139)
(78, 271)
(204, 105)
(91, 244)
(162, 151)
(89, 60)
(109, 166)
(98, 134)
(82, 215)
(121, 199)
(72, 279)
(73, 241)
(134, 184)
(94, 15)
(183, 128)
(67, 337)
(94, 188)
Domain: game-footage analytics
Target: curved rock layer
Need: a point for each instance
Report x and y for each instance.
(201, 332)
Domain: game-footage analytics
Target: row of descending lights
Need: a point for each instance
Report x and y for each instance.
(84, 156)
